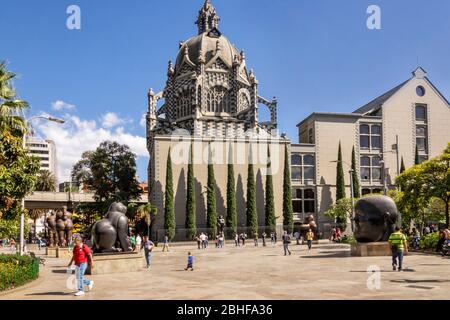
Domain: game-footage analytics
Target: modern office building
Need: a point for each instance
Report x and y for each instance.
(45, 150)
(388, 129)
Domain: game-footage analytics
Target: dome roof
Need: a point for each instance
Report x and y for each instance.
(207, 44)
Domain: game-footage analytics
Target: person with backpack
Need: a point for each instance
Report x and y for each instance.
(399, 245)
(147, 245)
(81, 256)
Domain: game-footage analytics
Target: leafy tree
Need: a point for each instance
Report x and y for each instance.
(231, 194)
(145, 215)
(251, 211)
(271, 220)
(18, 171)
(169, 209)
(402, 166)
(46, 181)
(355, 178)
(211, 211)
(288, 212)
(340, 211)
(340, 182)
(109, 171)
(191, 223)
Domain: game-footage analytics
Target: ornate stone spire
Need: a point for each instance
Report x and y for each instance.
(207, 18)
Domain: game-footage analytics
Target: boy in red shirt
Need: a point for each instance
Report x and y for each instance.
(81, 255)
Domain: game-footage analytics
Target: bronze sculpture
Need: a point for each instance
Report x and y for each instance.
(50, 224)
(308, 224)
(111, 233)
(375, 218)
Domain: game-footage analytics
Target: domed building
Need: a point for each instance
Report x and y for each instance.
(210, 94)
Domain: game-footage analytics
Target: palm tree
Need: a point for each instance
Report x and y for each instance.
(11, 107)
(35, 214)
(46, 182)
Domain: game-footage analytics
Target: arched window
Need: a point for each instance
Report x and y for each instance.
(184, 104)
(217, 100)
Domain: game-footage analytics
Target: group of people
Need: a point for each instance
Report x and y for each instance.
(336, 235)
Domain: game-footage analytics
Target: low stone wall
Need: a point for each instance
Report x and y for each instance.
(116, 263)
(371, 249)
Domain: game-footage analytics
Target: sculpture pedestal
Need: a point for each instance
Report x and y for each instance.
(370, 249)
(64, 253)
(116, 263)
(51, 252)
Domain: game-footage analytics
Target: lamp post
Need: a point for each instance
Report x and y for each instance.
(352, 191)
(22, 206)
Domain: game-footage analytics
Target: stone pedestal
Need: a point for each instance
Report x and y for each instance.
(116, 263)
(51, 252)
(64, 253)
(370, 249)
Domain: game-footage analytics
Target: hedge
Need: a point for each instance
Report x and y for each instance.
(17, 270)
(429, 241)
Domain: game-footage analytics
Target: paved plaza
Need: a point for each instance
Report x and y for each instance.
(327, 272)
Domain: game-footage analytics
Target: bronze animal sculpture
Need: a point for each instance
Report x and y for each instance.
(375, 218)
(111, 233)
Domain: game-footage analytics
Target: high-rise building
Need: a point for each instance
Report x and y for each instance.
(45, 150)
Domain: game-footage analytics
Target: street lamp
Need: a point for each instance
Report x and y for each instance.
(352, 190)
(22, 216)
(384, 173)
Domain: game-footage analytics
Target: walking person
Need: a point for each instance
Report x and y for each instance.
(255, 238)
(244, 236)
(264, 235)
(39, 243)
(297, 237)
(309, 239)
(275, 237)
(166, 243)
(236, 240)
(147, 245)
(203, 240)
(286, 241)
(199, 242)
(138, 243)
(272, 238)
(399, 246)
(190, 264)
(81, 256)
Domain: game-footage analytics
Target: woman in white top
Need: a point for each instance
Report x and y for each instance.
(138, 243)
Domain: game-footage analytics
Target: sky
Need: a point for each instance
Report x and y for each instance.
(312, 55)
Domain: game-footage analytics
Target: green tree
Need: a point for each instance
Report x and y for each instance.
(416, 156)
(288, 212)
(169, 208)
(402, 166)
(271, 220)
(211, 211)
(251, 211)
(340, 182)
(46, 182)
(35, 214)
(109, 171)
(231, 193)
(340, 211)
(355, 178)
(191, 223)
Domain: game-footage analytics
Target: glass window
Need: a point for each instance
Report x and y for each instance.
(420, 91)
(365, 161)
(364, 142)
(376, 129)
(297, 206)
(296, 173)
(309, 173)
(376, 161)
(364, 129)
(365, 174)
(376, 142)
(421, 113)
(309, 160)
(376, 173)
(309, 194)
(309, 206)
(421, 144)
(423, 158)
(296, 160)
(421, 131)
(297, 193)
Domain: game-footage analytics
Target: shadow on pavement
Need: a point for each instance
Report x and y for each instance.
(326, 256)
(420, 281)
(54, 293)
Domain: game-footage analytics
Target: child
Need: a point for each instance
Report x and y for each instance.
(190, 264)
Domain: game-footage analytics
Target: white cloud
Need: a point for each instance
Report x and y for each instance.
(61, 105)
(111, 120)
(78, 136)
(143, 121)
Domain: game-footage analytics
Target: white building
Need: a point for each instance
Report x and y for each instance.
(45, 150)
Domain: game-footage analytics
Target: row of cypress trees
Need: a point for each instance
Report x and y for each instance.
(231, 218)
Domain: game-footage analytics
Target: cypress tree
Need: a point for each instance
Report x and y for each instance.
(340, 183)
(270, 205)
(402, 166)
(417, 158)
(355, 178)
(288, 212)
(191, 223)
(169, 210)
(251, 212)
(231, 194)
(211, 211)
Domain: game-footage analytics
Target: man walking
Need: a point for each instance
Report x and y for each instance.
(166, 243)
(81, 255)
(147, 245)
(263, 236)
(399, 245)
(236, 240)
(286, 240)
(255, 238)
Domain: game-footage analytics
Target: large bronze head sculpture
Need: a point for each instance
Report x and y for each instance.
(375, 218)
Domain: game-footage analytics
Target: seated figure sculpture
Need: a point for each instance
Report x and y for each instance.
(375, 218)
(111, 233)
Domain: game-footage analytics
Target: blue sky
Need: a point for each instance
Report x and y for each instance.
(313, 55)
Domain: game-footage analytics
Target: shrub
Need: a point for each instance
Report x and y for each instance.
(429, 241)
(17, 270)
(349, 240)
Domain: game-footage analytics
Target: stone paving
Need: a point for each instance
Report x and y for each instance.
(327, 272)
